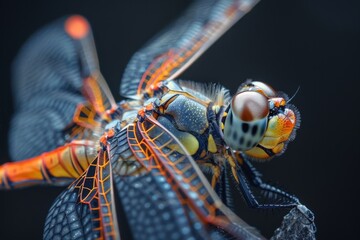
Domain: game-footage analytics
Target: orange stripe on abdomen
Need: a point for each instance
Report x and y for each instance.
(66, 162)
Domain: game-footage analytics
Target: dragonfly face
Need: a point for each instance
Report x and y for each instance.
(259, 122)
(154, 149)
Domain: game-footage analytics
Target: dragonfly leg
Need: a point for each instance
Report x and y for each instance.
(249, 178)
(213, 170)
(257, 181)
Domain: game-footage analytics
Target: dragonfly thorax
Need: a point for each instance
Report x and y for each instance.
(189, 115)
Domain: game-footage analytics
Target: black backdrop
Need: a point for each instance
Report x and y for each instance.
(311, 44)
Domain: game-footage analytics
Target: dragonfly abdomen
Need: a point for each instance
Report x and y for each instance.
(60, 166)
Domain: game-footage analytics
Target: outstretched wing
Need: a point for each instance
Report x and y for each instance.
(86, 210)
(171, 192)
(172, 51)
(55, 71)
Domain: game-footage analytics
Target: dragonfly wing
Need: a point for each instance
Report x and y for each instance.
(52, 73)
(172, 192)
(173, 50)
(86, 209)
(151, 206)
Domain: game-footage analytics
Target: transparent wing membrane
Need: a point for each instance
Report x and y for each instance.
(51, 73)
(173, 50)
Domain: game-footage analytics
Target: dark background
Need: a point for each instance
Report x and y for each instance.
(311, 44)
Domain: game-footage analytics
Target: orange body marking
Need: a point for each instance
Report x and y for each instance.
(77, 27)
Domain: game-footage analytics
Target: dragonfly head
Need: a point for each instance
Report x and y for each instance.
(259, 121)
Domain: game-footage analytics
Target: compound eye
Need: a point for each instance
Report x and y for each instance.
(266, 89)
(250, 106)
(246, 121)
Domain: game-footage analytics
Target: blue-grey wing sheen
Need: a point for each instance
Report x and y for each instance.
(48, 75)
(174, 49)
(86, 210)
(163, 193)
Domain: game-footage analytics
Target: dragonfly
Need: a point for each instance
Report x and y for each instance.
(169, 152)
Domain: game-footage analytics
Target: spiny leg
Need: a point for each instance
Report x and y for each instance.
(257, 181)
(213, 170)
(247, 176)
